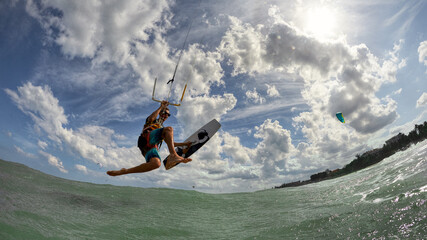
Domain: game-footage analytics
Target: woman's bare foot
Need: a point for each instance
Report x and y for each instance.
(175, 159)
(118, 172)
(186, 160)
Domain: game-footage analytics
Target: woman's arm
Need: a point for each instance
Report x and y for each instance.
(156, 113)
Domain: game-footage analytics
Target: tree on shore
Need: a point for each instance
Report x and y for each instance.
(393, 145)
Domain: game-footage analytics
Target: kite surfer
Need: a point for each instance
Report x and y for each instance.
(151, 137)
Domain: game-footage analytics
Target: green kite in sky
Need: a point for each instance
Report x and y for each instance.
(340, 117)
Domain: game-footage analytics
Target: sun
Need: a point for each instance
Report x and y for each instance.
(321, 22)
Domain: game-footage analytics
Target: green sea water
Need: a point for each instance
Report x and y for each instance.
(385, 201)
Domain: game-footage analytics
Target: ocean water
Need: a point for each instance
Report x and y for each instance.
(384, 201)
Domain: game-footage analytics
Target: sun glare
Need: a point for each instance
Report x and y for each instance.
(321, 23)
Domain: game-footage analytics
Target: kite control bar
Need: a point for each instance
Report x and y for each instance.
(173, 104)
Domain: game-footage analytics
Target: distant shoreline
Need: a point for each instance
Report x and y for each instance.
(400, 142)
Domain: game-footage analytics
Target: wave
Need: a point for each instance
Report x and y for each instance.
(386, 200)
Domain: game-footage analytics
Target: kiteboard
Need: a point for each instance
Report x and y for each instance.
(197, 139)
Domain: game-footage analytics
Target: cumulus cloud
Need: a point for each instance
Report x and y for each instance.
(44, 109)
(225, 164)
(201, 69)
(337, 77)
(272, 91)
(332, 70)
(225, 161)
(282, 48)
(100, 136)
(125, 33)
(274, 148)
(243, 45)
(422, 51)
(357, 72)
(54, 161)
(40, 104)
(422, 101)
(106, 31)
(233, 148)
(42, 145)
(266, 160)
(98, 144)
(398, 92)
(21, 151)
(81, 168)
(199, 110)
(254, 96)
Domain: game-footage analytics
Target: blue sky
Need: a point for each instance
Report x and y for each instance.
(77, 77)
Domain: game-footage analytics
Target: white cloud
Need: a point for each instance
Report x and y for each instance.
(40, 104)
(266, 160)
(254, 96)
(274, 148)
(199, 110)
(201, 69)
(81, 168)
(338, 77)
(54, 161)
(21, 151)
(44, 109)
(100, 93)
(422, 51)
(106, 31)
(225, 164)
(100, 136)
(398, 92)
(268, 108)
(243, 46)
(233, 148)
(272, 91)
(126, 33)
(422, 101)
(409, 126)
(347, 76)
(42, 145)
(198, 69)
(97, 143)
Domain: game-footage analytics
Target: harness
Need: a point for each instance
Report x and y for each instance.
(148, 128)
